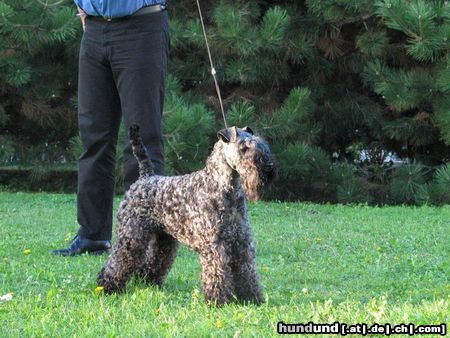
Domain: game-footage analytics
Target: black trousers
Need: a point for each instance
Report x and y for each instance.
(122, 67)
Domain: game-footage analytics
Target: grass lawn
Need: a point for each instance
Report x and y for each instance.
(320, 263)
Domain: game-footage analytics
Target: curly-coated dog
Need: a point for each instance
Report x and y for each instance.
(205, 210)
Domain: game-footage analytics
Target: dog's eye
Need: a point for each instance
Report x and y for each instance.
(243, 147)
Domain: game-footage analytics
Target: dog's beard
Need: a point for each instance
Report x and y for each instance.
(252, 187)
(254, 183)
(257, 177)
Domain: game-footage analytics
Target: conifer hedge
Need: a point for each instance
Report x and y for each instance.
(353, 95)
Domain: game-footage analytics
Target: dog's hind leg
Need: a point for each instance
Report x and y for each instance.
(159, 256)
(127, 255)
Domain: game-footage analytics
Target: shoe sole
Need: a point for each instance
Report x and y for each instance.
(71, 254)
(98, 252)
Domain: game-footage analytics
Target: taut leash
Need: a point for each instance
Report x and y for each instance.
(213, 70)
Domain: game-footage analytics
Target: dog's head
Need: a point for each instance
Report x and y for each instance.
(251, 157)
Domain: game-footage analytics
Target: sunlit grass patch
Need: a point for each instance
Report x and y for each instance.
(320, 263)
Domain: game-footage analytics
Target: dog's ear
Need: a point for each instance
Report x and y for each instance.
(247, 130)
(224, 135)
(228, 134)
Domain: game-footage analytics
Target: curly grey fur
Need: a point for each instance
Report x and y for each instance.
(140, 152)
(205, 210)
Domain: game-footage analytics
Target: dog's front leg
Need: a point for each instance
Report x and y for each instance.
(217, 279)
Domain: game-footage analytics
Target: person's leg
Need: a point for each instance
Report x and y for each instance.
(99, 118)
(139, 63)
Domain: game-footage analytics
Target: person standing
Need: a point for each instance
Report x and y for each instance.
(122, 68)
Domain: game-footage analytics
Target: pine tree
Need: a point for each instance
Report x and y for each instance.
(439, 188)
(188, 126)
(323, 78)
(336, 86)
(38, 69)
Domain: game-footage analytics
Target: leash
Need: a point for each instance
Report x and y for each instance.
(213, 70)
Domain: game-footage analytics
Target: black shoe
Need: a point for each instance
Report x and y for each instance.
(81, 245)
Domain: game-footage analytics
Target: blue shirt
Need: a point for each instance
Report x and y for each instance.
(114, 8)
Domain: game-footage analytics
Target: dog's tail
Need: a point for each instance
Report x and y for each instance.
(140, 152)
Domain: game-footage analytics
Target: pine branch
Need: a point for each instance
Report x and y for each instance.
(355, 19)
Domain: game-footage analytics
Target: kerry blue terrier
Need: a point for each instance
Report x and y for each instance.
(205, 210)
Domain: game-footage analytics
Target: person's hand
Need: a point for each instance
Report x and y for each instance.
(82, 14)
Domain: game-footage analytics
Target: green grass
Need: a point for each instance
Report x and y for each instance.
(320, 263)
